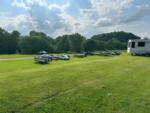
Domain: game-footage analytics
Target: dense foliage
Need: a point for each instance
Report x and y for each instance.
(114, 40)
(70, 43)
(36, 41)
(9, 42)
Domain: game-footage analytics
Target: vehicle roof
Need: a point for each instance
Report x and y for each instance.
(137, 40)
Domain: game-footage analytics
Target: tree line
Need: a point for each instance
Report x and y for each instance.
(14, 42)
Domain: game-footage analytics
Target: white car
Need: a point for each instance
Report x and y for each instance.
(64, 57)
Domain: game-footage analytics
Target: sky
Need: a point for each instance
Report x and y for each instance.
(87, 17)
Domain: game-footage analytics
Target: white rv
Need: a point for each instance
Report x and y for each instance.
(139, 47)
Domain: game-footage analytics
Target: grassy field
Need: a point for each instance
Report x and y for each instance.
(13, 56)
(119, 84)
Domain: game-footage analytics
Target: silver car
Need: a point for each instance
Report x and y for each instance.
(42, 59)
(64, 57)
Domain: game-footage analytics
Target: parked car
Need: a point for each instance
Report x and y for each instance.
(54, 57)
(42, 59)
(80, 55)
(97, 53)
(105, 53)
(60, 57)
(117, 52)
(109, 53)
(89, 53)
(64, 57)
(42, 52)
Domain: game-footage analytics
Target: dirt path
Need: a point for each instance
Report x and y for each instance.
(13, 59)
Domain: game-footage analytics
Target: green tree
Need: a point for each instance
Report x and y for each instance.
(72, 43)
(62, 44)
(114, 44)
(76, 42)
(8, 42)
(15, 35)
(114, 40)
(36, 42)
(90, 45)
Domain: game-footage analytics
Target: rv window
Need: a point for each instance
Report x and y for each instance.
(133, 45)
(141, 44)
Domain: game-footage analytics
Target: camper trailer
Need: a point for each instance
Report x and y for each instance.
(139, 47)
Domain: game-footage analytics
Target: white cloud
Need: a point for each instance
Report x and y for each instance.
(139, 13)
(104, 7)
(20, 4)
(104, 22)
(13, 22)
(47, 17)
(51, 6)
(124, 3)
(54, 18)
(22, 22)
(27, 3)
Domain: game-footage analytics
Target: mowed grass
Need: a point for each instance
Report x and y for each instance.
(119, 84)
(14, 56)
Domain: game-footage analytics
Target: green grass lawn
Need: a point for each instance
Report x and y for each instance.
(13, 56)
(95, 84)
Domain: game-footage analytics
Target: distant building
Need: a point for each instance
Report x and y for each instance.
(139, 47)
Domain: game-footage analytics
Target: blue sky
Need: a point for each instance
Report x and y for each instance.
(88, 17)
